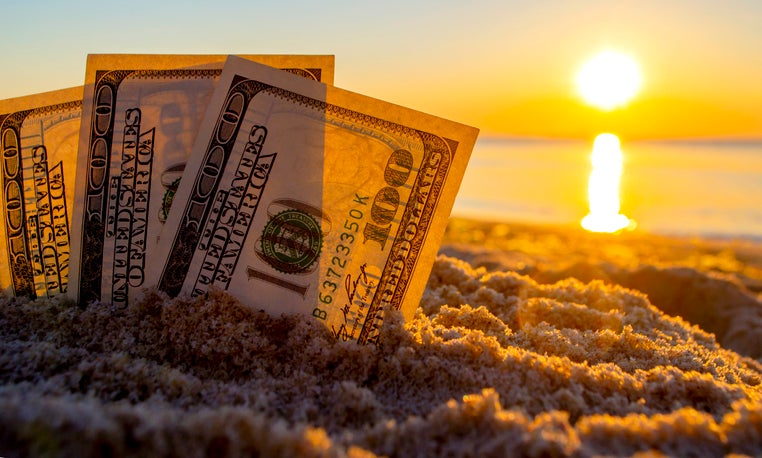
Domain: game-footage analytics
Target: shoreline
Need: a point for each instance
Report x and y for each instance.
(737, 252)
(478, 218)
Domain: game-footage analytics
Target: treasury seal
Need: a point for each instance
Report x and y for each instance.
(291, 241)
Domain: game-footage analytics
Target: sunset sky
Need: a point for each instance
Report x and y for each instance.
(506, 67)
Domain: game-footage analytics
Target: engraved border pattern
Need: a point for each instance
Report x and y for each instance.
(20, 266)
(99, 151)
(19, 261)
(187, 236)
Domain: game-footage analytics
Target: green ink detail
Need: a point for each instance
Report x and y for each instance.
(291, 241)
(166, 201)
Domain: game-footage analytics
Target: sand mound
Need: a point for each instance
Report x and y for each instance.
(715, 284)
(493, 364)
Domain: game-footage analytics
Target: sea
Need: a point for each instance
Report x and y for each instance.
(706, 188)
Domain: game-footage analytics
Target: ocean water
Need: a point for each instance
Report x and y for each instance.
(702, 188)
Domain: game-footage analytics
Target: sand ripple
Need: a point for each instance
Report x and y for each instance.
(493, 364)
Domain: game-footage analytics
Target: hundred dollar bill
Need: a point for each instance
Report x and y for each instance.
(38, 138)
(304, 198)
(140, 117)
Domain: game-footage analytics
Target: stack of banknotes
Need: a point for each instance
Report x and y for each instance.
(248, 174)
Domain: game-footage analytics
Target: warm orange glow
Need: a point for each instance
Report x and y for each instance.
(603, 187)
(609, 80)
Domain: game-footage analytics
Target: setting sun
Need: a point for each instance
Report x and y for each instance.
(609, 80)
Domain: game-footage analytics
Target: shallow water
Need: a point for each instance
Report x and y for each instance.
(705, 188)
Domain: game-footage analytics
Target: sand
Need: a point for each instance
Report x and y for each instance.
(529, 341)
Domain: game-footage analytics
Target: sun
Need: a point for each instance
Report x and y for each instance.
(609, 80)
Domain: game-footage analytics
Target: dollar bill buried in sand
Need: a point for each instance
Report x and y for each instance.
(140, 117)
(303, 198)
(38, 137)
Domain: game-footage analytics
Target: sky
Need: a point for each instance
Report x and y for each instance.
(506, 67)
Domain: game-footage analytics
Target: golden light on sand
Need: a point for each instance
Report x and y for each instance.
(609, 80)
(603, 187)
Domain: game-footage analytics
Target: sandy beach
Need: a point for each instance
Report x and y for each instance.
(528, 341)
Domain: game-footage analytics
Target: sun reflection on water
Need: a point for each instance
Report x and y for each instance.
(603, 188)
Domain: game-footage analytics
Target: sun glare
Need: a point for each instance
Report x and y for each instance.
(603, 187)
(609, 80)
